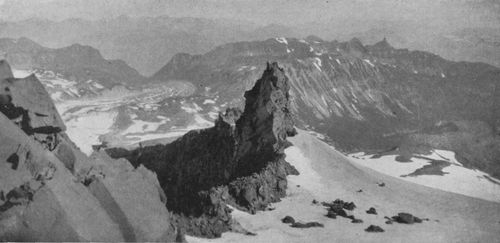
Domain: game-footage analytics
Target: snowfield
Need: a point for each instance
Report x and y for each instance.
(326, 175)
(456, 178)
(85, 130)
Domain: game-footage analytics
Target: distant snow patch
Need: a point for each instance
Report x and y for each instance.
(369, 62)
(317, 63)
(208, 101)
(20, 73)
(194, 108)
(282, 40)
(98, 85)
(457, 178)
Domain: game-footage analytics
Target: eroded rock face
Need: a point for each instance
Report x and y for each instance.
(242, 165)
(50, 191)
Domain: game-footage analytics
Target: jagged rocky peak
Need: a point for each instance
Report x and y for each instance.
(356, 48)
(267, 113)
(239, 161)
(383, 45)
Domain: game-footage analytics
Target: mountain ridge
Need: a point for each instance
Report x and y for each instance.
(370, 98)
(144, 42)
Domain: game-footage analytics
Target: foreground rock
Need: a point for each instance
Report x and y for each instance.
(242, 165)
(50, 191)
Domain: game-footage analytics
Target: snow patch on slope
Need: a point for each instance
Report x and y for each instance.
(456, 178)
(85, 130)
(282, 40)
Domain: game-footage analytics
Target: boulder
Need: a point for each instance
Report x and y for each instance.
(306, 225)
(357, 221)
(288, 220)
(406, 218)
(374, 228)
(372, 210)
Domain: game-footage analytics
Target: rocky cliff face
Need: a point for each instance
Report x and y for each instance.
(50, 191)
(362, 97)
(241, 165)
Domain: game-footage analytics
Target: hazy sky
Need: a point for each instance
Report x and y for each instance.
(287, 12)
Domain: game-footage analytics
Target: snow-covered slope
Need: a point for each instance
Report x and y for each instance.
(439, 170)
(327, 175)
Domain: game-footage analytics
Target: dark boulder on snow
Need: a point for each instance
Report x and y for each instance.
(406, 218)
(357, 221)
(374, 228)
(288, 220)
(307, 225)
(331, 214)
(372, 210)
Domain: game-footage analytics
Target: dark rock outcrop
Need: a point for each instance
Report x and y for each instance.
(241, 164)
(306, 225)
(338, 203)
(406, 218)
(374, 228)
(338, 207)
(372, 210)
(357, 221)
(288, 220)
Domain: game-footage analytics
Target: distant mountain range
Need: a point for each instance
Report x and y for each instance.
(147, 43)
(144, 43)
(365, 97)
(477, 44)
(72, 71)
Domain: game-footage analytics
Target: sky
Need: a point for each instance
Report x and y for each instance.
(286, 12)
